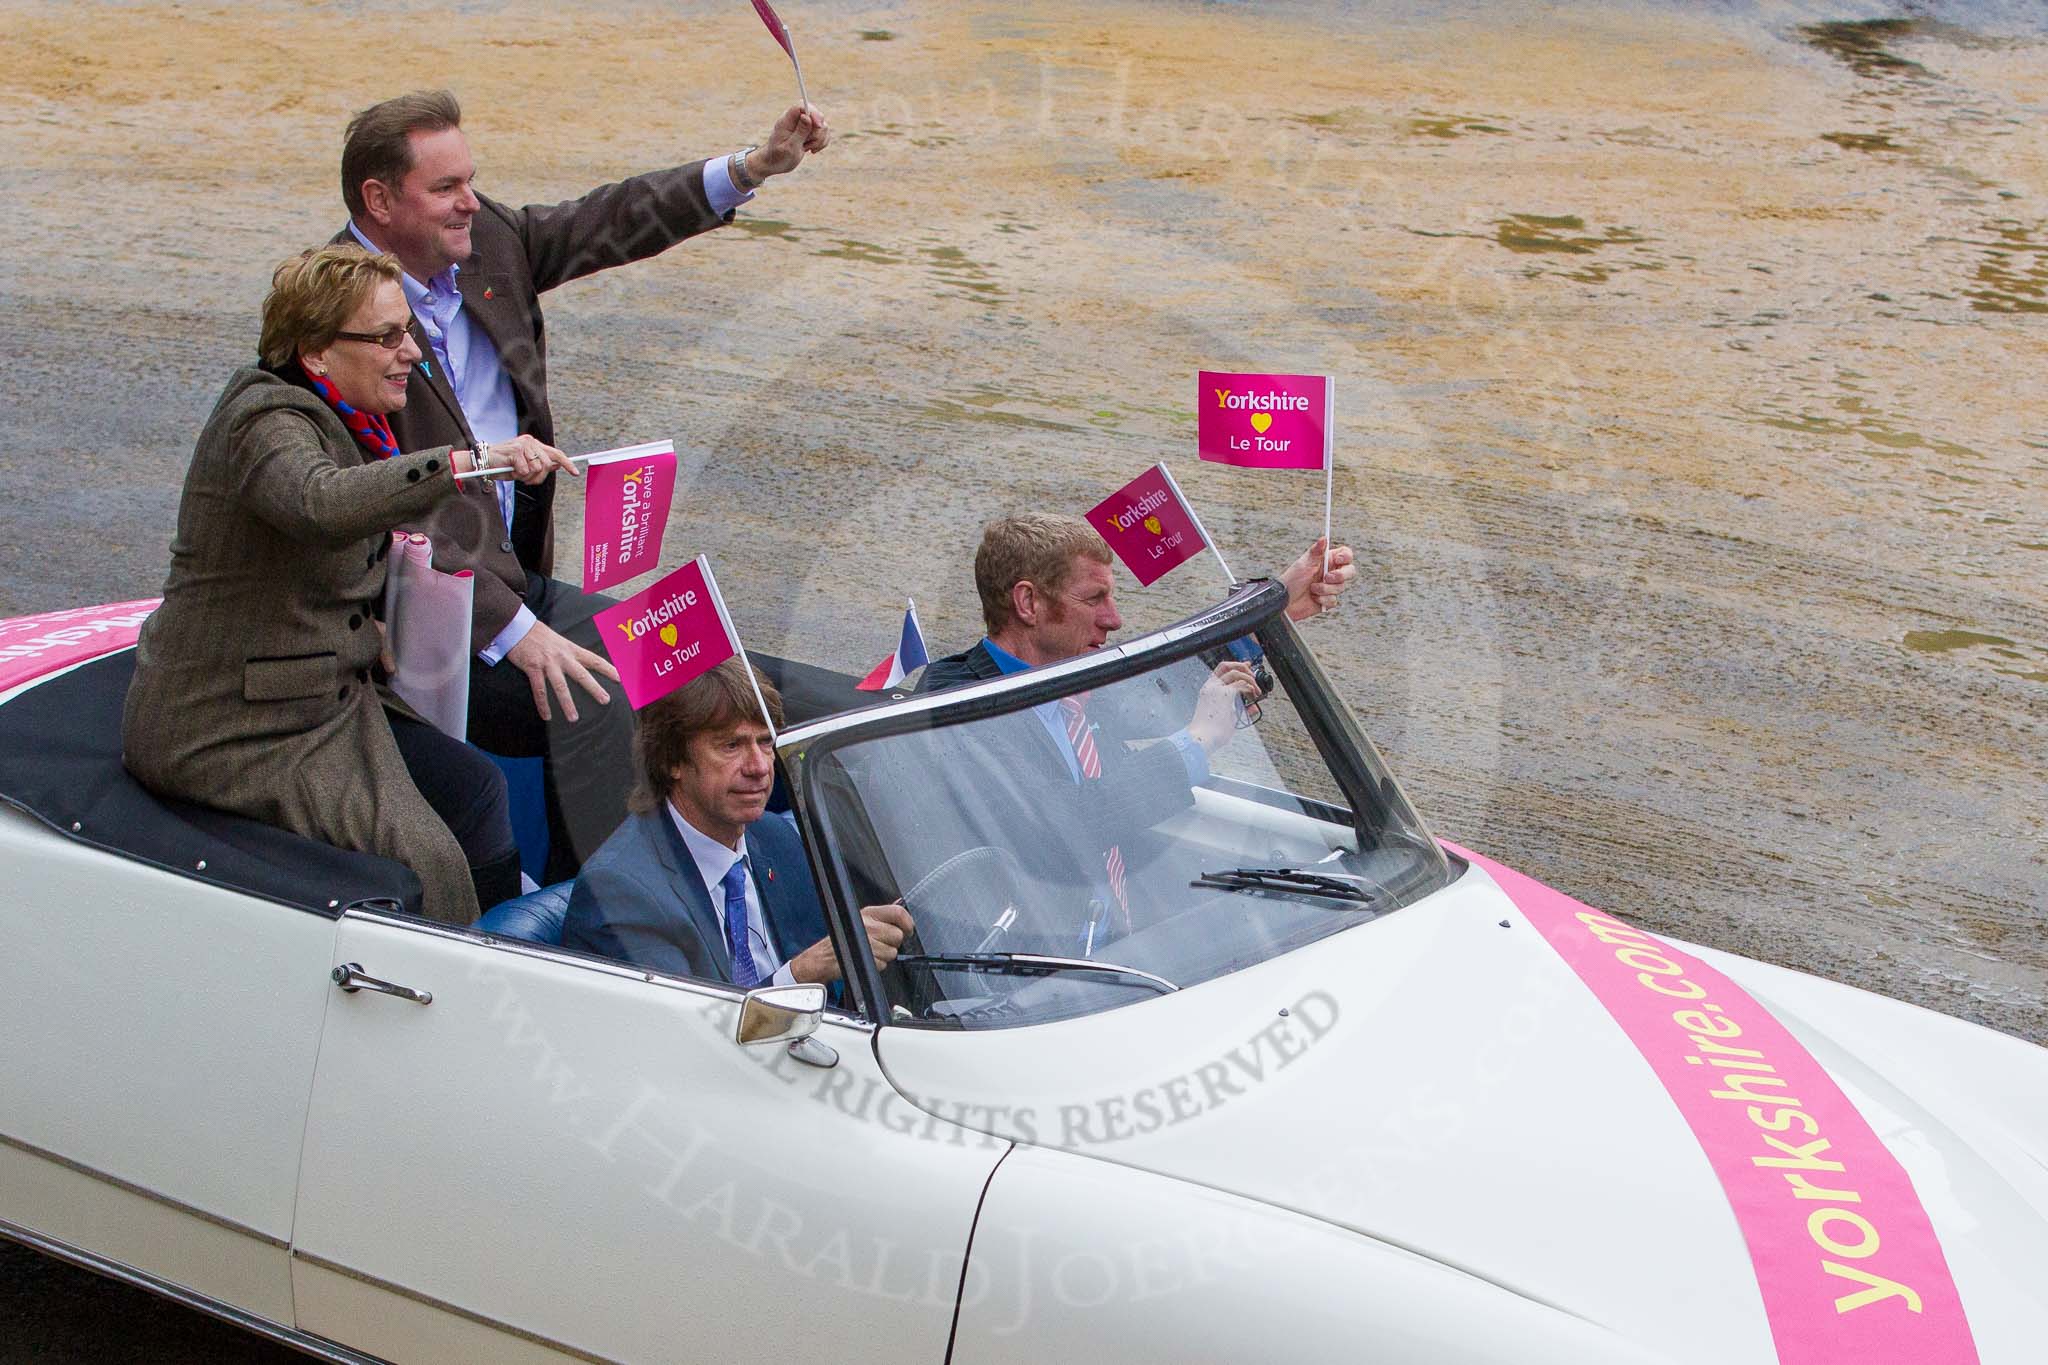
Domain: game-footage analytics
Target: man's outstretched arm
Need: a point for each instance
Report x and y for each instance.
(645, 215)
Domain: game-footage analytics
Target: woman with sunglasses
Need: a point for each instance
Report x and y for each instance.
(253, 688)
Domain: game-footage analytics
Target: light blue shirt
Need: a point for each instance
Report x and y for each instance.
(477, 376)
(1192, 755)
(713, 861)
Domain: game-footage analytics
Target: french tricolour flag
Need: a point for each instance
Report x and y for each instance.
(908, 655)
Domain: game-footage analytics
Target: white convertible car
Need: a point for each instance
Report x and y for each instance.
(1317, 1088)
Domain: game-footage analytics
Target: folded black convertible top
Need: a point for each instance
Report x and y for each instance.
(60, 761)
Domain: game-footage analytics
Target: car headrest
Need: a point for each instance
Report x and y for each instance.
(535, 917)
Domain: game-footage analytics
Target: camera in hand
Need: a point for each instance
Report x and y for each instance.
(1246, 651)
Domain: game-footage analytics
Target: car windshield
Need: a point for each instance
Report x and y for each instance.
(1138, 831)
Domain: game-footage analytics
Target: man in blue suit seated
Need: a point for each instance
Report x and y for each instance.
(697, 882)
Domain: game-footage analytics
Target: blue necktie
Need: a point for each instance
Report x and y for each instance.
(735, 884)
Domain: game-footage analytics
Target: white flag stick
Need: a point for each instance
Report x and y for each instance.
(1329, 460)
(1196, 518)
(725, 619)
(595, 457)
(788, 44)
(497, 473)
(801, 93)
(1328, 478)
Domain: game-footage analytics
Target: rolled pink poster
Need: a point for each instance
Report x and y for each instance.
(427, 616)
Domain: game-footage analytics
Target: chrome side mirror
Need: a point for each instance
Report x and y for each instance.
(779, 1014)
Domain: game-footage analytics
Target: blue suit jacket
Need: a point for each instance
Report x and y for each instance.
(1142, 784)
(641, 900)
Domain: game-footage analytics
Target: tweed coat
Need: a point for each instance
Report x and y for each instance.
(515, 256)
(252, 690)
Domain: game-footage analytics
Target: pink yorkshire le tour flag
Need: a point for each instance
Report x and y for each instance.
(662, 637)
(1149, 525)
(626, 495)
(1263, 421)
(775, 25)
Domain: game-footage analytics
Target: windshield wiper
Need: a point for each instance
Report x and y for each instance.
(1287, 880)
(1033, 964)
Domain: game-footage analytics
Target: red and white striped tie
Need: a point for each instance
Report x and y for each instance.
(1082, 736)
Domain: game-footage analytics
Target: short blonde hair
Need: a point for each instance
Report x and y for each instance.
(1039, 546)
(311, 296)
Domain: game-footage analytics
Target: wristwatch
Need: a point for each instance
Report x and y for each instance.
(736, 167)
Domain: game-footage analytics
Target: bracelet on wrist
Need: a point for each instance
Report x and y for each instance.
(736, 167)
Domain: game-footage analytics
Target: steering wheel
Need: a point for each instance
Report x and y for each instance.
(972, 901)
(982, 885)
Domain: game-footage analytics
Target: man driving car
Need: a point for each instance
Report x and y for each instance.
(1098, 775)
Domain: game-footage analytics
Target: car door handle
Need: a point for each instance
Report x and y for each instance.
(351, 977)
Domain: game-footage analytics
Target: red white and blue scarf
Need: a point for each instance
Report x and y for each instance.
(370, 429)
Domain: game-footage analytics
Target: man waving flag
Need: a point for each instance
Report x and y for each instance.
(908, 656)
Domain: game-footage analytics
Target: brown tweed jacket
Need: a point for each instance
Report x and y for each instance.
(516, 256)
(252, 689)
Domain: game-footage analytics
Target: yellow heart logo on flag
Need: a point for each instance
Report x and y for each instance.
(668, 635)
(1260, 421)
(1152, 525)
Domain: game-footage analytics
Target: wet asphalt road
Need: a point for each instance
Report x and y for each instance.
(1704, 565)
